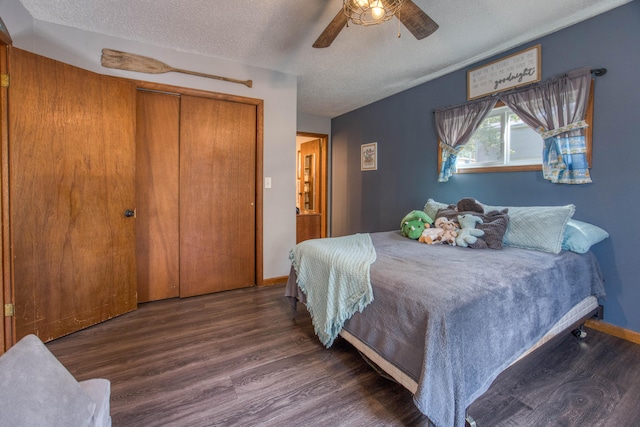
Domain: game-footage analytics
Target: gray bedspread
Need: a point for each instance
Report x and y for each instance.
(453, 318)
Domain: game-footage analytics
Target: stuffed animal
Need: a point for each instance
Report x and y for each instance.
(469, 204)
(467, 235)
(414, 223)
(444, 231)
(431, 236)
(450, 230)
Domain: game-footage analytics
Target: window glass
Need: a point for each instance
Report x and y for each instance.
(502, 139)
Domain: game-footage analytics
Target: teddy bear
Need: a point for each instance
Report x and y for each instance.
(444, 231)
(414, 223)
(468, 234)
(450, 230)
(431, 236)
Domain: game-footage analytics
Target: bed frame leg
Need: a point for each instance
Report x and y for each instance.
(580, 332)
(470, 422)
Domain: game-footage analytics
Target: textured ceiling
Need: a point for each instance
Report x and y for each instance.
(363, 65)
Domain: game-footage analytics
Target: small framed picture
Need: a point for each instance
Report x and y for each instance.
(369, 156)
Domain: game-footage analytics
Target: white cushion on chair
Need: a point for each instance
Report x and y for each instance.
(36, 390)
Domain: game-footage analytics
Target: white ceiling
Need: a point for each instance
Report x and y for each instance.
(363, 65)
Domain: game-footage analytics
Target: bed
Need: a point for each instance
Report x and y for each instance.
(444, 321)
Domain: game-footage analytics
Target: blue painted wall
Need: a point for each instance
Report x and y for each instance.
(404, 128)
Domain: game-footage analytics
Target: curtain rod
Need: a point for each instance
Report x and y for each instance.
(597, 72)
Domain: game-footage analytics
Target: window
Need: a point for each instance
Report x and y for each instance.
(503, 143)
(502, 139)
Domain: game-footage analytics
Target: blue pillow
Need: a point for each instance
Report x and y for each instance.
(579, 236)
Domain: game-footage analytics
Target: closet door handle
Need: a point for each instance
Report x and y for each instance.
(129, 213)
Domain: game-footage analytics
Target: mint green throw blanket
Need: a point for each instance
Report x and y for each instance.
(334, 275)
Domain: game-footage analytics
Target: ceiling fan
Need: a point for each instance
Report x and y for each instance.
(415, 19)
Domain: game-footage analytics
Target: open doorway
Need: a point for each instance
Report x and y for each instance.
(311, 186)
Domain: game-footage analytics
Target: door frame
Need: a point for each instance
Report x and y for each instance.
(6, 293)
(324, 178)
(259, 103)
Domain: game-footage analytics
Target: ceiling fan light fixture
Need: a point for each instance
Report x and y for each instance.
(371, 12)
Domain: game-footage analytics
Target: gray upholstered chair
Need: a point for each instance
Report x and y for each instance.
(37, 390)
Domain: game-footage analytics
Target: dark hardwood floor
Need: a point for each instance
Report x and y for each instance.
(241, 358)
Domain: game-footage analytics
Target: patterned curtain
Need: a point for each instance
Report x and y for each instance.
(455, 127)
(556, 109)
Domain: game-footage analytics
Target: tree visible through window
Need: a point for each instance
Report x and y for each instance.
(502, 139)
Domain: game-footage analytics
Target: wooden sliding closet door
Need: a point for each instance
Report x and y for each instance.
(157, 184)
(217, 195)
(72, 177)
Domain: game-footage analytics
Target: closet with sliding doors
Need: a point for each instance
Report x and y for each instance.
(197, 159)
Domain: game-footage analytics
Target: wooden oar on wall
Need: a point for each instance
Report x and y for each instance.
(131, 62)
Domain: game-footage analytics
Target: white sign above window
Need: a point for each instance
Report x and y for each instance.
(515, 70)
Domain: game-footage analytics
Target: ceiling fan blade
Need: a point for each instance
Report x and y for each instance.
(416, 21)
(331, 32)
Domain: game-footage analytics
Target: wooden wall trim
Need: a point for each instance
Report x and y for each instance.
(179, 90)
(7, 327)
(275, 281)
(616, 331)
(259, 192)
